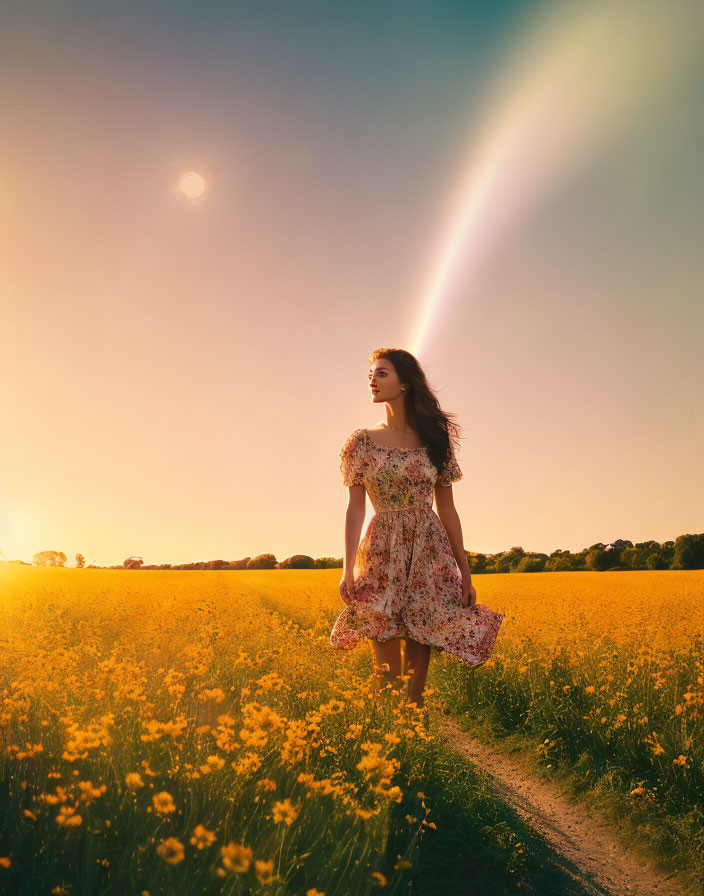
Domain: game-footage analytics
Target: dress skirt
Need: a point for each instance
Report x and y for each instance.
(407, 584)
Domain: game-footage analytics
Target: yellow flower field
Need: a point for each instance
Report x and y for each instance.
(187, 727)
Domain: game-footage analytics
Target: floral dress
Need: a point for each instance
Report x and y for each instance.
(406, 580)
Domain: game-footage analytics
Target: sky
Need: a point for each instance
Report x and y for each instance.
(178, 374)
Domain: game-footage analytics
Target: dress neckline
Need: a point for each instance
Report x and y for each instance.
(390, 447)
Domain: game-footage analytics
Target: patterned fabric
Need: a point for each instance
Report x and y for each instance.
(406, 580)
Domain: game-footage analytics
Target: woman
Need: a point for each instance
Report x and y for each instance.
(409, 577)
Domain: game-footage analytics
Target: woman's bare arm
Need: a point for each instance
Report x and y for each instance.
(451, 521)
(354, 520)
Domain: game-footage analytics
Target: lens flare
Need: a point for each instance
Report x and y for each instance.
(192, 184)
(575, 77)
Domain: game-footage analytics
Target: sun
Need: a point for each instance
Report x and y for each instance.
(192, 184)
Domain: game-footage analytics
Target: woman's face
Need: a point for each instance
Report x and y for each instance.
(384, 383)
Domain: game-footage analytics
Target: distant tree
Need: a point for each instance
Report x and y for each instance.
(531, 563)
(622, 543)
(560, 564)
(240, 564)
(599, 559)
(133, 563)
(298, 561)
(510, 560)
(477, 562)
(329, 563)
(217, 564)
(639, 557)
(579, 560)
(559, 561)
(49, 558)
(80, 561)
(656, 560)
(668, 552)
(627, 557)
(262, 561)
(689, 552)
(502, 562)
(614, 552)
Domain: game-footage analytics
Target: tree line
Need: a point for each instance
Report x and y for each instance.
(686, 552)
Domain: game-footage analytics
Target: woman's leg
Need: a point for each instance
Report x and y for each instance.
(417, 659)
(389, 653)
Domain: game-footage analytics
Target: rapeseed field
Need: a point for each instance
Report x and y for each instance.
(182, 732)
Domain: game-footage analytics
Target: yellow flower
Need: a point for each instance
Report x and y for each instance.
(202, 837)
(91, 793)
(163, 802)
(5, 862)
(395, 793)
(271, 681)
(133, 780)
(236, 857)
(67, 817)
(250, 762)
(264, 871)
(212, 763)
(266, 784)
(379, 878)
(284, 810)
(363, 813)
(171, 850)
(52, 799)
(656, 747)
(217, 695)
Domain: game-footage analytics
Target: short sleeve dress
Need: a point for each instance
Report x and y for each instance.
(406, 580)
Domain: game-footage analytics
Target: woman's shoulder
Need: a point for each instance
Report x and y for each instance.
(354, 438)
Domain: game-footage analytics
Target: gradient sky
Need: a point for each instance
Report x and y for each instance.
(178, 376)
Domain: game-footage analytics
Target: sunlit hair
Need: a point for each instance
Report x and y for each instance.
(423, 412)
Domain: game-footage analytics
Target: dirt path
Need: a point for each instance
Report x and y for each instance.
(593, 856)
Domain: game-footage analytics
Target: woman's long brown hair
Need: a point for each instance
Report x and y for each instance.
(423, 411)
